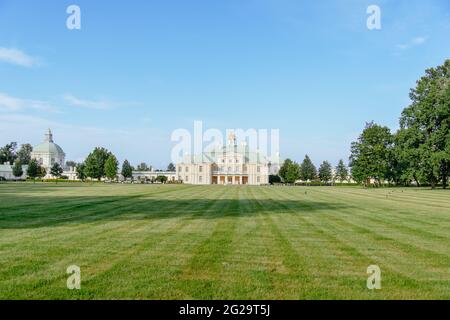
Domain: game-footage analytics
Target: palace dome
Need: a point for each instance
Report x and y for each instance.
(48, 146)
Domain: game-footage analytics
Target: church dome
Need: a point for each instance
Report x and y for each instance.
(48, 146)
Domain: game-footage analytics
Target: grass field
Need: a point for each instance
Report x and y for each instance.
(214, 242)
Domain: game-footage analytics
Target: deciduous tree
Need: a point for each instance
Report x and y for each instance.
(80, 171)
(171, 167)
(33, 169)
(95, 163)
(371, 154)
(424, 127)
(17, 169)
(24, 154)
(111, 167)
(56, 170)
(289, 171)
(8, 153)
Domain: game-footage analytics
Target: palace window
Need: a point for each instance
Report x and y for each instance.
(200, 169)
(187, 178)
(180, 169)
(200, 179)
(258, 179)
(258, 169)
(187, 169)
(229, 169)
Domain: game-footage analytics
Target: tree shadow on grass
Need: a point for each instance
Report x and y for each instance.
(23, 212)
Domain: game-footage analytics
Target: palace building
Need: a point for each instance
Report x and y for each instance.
(48, 152)
(230, 164)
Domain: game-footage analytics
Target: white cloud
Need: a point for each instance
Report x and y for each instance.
(17, 57)
(417, 41)
(14, 104)
(90, 104)
(100, 104)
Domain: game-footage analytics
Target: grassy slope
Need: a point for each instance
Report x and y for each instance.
(156, 242)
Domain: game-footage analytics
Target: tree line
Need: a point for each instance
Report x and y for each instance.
(419, 152)
(101, 163)
(291, 171)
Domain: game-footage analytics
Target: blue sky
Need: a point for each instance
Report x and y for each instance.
(137, 70)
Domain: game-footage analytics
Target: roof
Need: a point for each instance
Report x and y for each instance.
(212, 156)
(48, 146)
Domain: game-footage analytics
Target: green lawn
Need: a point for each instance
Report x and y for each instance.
(215, 242)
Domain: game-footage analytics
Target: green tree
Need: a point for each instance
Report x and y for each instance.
(33, 169)
(80, 171)
(274, 179)
(308, 171)
(56, 170)
(24, 154)
(42, 172)
(8, 153)
(161, 179)
(325, 172)
(71, 164)
(111, 167)
(127, 170)
(95, 163)
(341, 171)
(143, 167)
(371, 154)
(425, 127)
(289, 171)
(171, 167)
(17, 169)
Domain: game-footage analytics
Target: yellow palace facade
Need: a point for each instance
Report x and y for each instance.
(227, 165)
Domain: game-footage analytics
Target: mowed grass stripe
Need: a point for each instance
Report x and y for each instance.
(139, 255)
(215, 242)
(392, 253)
(427, 198)
(91, 244)
(430, 237)
(247, 271)
(96, 212)
(332, 264)
(201, 276)
(61, 210)
(352, 272)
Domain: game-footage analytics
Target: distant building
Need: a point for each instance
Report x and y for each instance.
(152, 175)
(231, 164)
(48, 153)
(6, 171)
